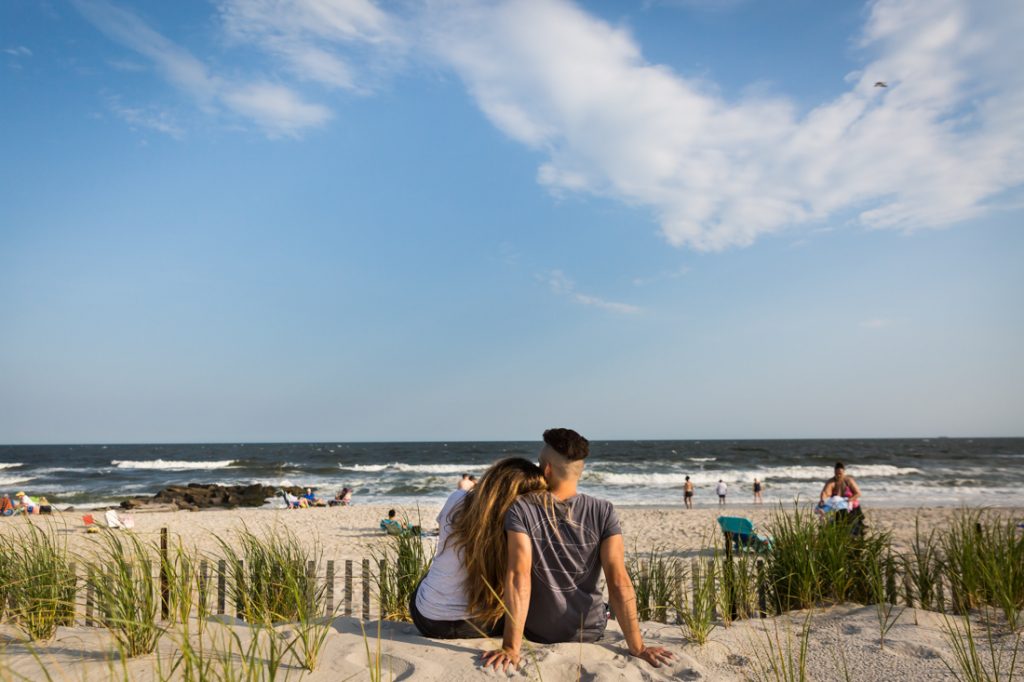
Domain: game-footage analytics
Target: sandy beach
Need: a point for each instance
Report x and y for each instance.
(915, 647)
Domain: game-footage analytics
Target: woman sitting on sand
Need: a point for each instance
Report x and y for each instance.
(458, 598)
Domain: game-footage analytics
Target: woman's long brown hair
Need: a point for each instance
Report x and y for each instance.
(478, 532)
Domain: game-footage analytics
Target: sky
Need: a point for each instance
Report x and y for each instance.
(349, 220)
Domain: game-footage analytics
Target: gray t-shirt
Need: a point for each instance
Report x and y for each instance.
(566, 569)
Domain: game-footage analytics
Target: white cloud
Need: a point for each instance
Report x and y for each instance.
(276, 108)
(309, 36)
(563, 286)
(932, 149)
(149, 118)
(18, 51)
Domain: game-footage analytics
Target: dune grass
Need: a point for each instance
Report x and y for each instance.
(125, 589)
(39, 583)
(777, 655)
(656, 581)
(814, 563)
(403, 561)
(982, 660)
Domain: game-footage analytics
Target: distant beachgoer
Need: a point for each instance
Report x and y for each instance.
(722, 489)
(757, 492)
(312, 499)
(391, 525)
(688, 493)
(472, 479)
(6, 508)
(28, 505)
(465, 484)
(344, 498)
(293, 502)
(841, 485)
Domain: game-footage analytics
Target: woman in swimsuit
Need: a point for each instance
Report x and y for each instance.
(757, 492)
(841, 485)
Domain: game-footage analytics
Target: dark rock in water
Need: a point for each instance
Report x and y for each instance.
(196, 496)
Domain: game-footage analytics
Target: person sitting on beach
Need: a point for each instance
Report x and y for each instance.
(558, 544)
(293, 502)
(312, 499)
(841, 485)
(391, 525)
(6, 508)
(27, 504)
(688, 493)
(458, 598)
(344, 498)
(722, 489)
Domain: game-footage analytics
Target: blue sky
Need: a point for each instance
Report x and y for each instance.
(243, 220)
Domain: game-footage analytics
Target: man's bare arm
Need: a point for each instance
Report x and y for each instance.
(516, 597)
(623, 602)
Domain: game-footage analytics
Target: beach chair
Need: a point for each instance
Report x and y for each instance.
(743, 534)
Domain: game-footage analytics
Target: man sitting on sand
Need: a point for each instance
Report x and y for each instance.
(391, 525)
(28, 505)
(6, 508)
(558, 544)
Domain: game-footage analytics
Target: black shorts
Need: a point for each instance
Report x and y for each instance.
(721, 497)
(450, 629)
(688, 494)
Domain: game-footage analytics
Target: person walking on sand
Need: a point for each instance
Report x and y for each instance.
(757, 492)
(722, 489)
(688, 493)
(559, 542)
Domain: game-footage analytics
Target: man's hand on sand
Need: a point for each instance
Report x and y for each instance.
(655, 655)
(502, 659)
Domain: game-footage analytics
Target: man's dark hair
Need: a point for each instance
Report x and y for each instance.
(391, 513)
(473, 478)
(839, 465)
(567, 443)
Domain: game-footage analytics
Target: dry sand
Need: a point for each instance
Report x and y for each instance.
(913, 651)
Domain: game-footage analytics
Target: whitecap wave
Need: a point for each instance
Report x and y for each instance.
(170, 465)
(415, 468)
(10, 465)
(14, 480)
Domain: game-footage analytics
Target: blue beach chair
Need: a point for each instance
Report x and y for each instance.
(744, 535)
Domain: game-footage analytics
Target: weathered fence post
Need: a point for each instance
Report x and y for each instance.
(695, 579)
(711, 576)
(240, 591)
(366, 589)
(729, 577)
(221, 585)
(73, 567)
(165, 590)
(329, 588)
(762, 590)
(311, 583)
(348, 587)
(90, 578)
(890, 582)
(204, 587)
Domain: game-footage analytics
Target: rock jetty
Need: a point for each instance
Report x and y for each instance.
(196, 496)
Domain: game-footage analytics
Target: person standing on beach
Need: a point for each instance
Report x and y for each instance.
(757, 492)
(688, 493)
(722, 489)
(465, 484)
(558, 544)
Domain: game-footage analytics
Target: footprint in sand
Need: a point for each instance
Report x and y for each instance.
(849, 629)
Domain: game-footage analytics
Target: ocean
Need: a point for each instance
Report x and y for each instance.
(890, 472)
